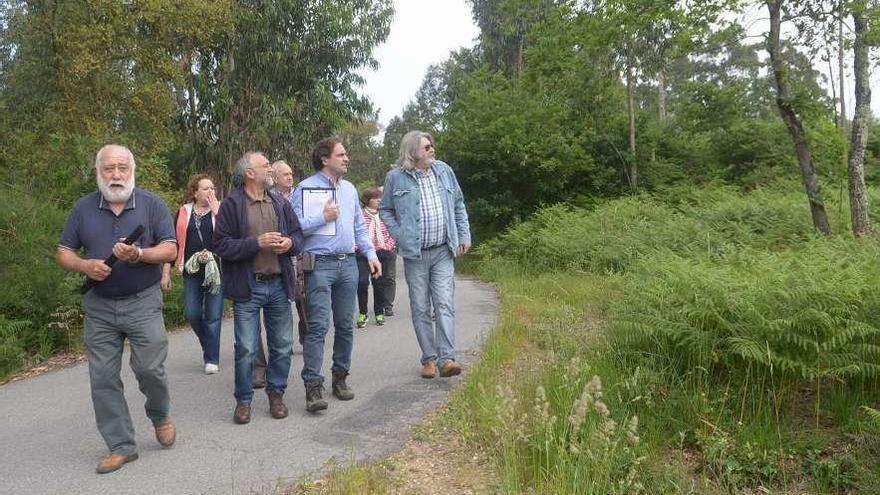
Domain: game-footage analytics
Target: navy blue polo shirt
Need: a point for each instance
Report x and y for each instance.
(93, 227)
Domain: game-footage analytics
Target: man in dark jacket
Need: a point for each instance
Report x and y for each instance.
(256, 235)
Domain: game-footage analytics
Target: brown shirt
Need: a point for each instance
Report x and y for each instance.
(261, 219)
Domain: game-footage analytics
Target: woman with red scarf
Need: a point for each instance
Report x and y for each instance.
(384, 286)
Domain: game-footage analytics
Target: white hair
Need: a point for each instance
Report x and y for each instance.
(105, 186)
(100, 156)
(411, 149)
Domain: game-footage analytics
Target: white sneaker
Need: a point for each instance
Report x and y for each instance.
(211, 369)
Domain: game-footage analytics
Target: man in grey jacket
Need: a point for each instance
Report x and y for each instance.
(423, 208)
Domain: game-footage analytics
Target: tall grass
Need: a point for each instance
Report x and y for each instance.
(744, 343)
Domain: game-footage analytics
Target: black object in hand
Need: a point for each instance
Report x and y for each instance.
(111, 260)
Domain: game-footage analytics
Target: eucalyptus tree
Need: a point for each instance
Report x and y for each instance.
(79, 74)
(819, 24)
(793, 121)
(865, 15)
(646, 36)
(284, 76)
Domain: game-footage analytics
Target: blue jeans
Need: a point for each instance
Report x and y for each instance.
(431, 279)
(331, 291)
(271, 297)
(204, 312)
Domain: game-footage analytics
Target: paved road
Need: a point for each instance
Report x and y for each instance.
(50, 444)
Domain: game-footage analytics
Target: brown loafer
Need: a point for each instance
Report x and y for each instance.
(276, 405)
(242, 414)
(429, 369)
(166, 433)
(449, 368)
(112, 462)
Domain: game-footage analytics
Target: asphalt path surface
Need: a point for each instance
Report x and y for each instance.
(49, 443)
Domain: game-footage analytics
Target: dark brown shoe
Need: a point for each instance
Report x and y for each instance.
(166, 433)
(449, 368)
(429, 369)
(242, 414)
(276, 405)
(112, 462)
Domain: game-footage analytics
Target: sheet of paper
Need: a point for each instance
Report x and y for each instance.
(314, 200)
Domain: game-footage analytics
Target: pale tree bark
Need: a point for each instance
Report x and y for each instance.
(858, 197)
(661, 95)
(840, 73)
(795, 127)
(632, 174)
(837, 121)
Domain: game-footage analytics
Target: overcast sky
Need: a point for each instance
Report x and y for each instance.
(423, 33)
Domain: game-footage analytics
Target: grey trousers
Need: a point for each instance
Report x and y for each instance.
(108, 322)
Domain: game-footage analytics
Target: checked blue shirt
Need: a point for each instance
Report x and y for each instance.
(431, 209)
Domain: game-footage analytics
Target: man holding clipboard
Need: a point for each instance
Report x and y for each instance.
(330, 215)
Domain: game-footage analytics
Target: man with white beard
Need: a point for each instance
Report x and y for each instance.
(126, 302)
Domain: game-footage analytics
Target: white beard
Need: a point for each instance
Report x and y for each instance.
(116, 196)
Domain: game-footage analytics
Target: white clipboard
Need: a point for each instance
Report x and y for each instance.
(314, 199)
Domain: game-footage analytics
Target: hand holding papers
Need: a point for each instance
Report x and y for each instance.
(315, 201)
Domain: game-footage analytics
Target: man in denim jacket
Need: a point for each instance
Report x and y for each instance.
(423, 208)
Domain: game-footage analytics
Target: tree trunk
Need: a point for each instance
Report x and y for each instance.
(793, 122)
(633, 170)
(837, 120)
(840, 73)
(858, 197)
(661, 95)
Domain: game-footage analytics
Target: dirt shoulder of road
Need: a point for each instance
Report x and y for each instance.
(432, 461)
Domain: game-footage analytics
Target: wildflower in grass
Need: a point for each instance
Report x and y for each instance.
(505, 409)
(632, 427)
(579, 410)
(541, 408)
(594, 386)
(606, 431)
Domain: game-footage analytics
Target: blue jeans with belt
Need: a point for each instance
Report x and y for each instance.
(331, 292)
(270, 296)
(204, 312)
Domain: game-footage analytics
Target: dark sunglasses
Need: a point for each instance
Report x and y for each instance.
(428, 146)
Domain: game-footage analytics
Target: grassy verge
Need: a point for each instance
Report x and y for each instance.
(707, 342)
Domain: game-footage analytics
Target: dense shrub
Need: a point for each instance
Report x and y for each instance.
(687, 222)
(807, 313)
(606, 239)
(34, 287)
(715, 278)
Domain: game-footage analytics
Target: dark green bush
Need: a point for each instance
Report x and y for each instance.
(807, 313)
(34, 286)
